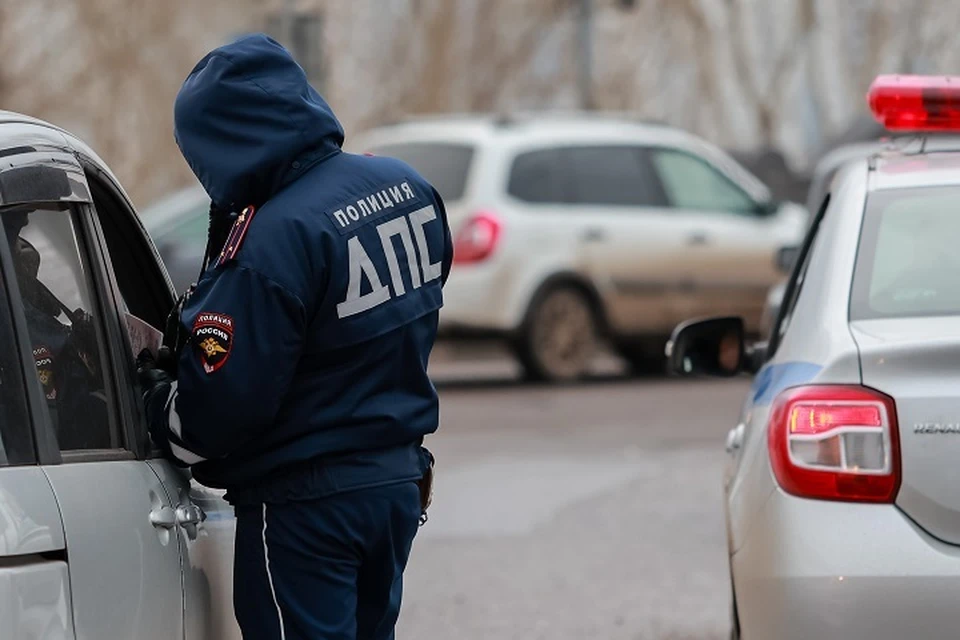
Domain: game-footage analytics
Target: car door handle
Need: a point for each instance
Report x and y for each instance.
(735, 438)
(163, 518)
(698, 238)
(594, 235)
(190, 514)
(189, 517)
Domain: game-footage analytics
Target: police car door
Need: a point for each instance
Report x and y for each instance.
(203, 522)
(123, 559)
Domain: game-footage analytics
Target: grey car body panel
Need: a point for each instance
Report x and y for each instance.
(35, 601)
(816, 348)
(206, 553)
(124, 573)
(914, 360)
(818, 569)
(29, 516)
(34, 588)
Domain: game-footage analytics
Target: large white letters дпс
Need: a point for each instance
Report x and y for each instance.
(361, 266)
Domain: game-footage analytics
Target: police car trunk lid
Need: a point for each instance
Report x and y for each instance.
(917, 362)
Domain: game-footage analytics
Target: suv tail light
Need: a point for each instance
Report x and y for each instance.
(835, 442)
(477, 239)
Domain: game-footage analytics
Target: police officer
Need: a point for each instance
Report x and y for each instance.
(302, 386)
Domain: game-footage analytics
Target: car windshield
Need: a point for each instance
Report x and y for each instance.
(908, 261)
(444, 165)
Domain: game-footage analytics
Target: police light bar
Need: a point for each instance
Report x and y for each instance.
(916, 103)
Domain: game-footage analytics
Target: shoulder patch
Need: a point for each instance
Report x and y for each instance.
(236, 236)
(353, 214)
(212, 336)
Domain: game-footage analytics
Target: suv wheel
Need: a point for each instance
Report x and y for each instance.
(559, 338)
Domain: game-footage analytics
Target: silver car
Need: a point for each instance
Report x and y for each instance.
(100, 537)
(842, 492)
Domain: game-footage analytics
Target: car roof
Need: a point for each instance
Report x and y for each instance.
(939, 166)
(7, 117)
(14, 126)
(529, 130)
(528, 126)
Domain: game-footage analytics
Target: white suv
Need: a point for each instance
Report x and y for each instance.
(569, 229)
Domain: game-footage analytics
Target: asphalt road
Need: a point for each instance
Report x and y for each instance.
(587, 511)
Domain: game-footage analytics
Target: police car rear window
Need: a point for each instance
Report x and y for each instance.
(444, 165)
(908, 262)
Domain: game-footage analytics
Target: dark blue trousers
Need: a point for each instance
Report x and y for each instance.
(326, 569)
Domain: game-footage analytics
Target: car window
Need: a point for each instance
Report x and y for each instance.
(538, 176)
(141, 294)
(796, 281)
(613, 175)
(64, 329)
(692, 183)
(907, 262)
(139, 279)
(16, 438)
(444, 165)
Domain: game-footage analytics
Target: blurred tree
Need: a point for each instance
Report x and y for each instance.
(787, 75)
(108, 70)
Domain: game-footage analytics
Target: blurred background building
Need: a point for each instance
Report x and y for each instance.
(777, 81)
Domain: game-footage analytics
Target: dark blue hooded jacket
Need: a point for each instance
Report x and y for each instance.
(306, 371)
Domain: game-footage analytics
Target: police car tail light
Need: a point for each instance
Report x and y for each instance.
(835, 442)
(916, 103)
(478, 238)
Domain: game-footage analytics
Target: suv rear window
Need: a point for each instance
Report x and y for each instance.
(908, 262)
(444, 165)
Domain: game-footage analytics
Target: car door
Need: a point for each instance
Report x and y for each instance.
(34, 582)
(747, 474)
(632, 244)
(123, 555)
(732, 238)
(205, 522)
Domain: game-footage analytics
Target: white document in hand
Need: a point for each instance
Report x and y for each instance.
(142, 336)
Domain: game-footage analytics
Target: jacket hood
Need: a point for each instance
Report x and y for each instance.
(248, 122)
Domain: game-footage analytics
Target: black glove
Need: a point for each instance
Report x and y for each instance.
(156, 384)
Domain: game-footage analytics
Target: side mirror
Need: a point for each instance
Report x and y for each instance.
(786, 257)
(711, 347)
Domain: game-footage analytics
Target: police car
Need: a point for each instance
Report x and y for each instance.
(841, 494)
(100, 537)
(572, 228)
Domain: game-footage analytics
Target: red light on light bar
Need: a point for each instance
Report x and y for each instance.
(916, 103)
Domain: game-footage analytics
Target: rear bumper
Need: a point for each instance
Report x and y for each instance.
(477, 301)
(813, 569)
